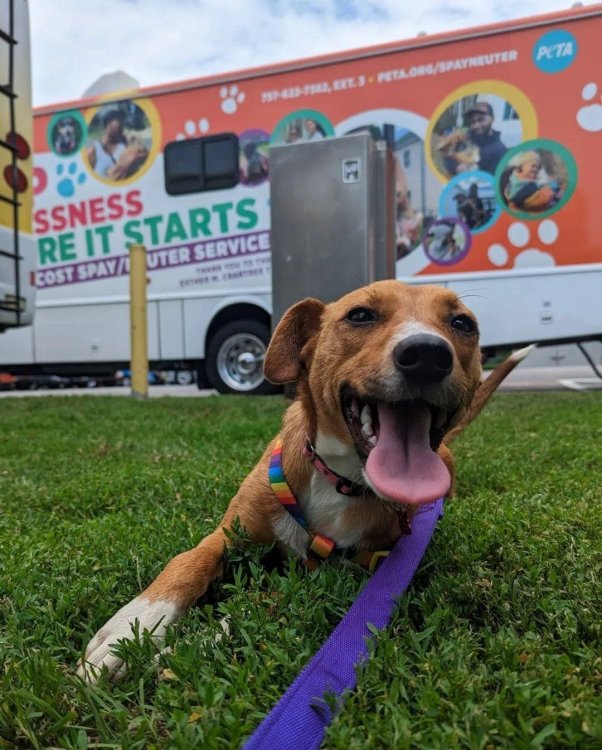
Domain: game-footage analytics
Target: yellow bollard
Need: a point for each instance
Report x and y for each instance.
(138, 322)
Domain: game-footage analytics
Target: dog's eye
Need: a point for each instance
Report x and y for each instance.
(463, 324)
(361, 316)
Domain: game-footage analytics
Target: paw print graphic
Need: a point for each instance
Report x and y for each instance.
(69, 178)
(194, 129)
(519, 237)
(231, 97)
(589, 117)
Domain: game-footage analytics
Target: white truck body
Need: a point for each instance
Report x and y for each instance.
(529, 265)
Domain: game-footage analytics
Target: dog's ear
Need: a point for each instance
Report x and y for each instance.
(299, 323)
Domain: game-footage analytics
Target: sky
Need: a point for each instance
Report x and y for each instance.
(74, 42)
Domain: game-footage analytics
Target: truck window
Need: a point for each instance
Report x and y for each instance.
(200, 164)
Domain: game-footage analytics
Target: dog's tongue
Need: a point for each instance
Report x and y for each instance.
(402, 466)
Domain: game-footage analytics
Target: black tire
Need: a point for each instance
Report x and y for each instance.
(234, 358)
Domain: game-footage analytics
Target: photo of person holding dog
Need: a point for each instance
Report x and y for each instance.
(474, 133)
(119, 141)
(534, 181)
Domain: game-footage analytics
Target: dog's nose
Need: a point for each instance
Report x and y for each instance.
(423, 358)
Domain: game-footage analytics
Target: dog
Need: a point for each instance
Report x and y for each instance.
(442, 243)
(65, 141)
(459, 152)
(386, 377)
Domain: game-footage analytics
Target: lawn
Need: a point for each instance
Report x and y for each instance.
(496, 645)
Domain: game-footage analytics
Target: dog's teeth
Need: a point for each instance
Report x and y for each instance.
(373, 441)
(367, 431)
(366, 416)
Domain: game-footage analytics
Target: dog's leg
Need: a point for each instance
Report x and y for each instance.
(175, 589)
(169, 596)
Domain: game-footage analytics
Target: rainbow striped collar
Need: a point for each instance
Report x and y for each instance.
(319, 547)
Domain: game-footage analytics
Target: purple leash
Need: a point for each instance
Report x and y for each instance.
(299, 719)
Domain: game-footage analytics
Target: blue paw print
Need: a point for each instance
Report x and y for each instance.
(69, 179)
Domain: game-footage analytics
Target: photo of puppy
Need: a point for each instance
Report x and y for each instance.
(386, 377)
(67, 136)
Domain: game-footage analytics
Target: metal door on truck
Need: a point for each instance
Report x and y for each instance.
(332, 206)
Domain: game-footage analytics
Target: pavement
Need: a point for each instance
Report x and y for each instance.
(154, 391)
(577, 378)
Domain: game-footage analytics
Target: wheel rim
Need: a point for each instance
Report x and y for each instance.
(240, 361)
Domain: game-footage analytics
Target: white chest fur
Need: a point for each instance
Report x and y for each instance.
(323, 507)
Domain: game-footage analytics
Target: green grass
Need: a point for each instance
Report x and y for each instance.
(497, 644)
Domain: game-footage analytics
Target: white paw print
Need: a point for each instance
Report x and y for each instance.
(231, 97)
(519, 236)
(590, 117)
(194, 129)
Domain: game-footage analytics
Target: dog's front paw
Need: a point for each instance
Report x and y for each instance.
(153, 616)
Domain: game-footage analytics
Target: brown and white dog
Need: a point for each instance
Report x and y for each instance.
(386, 376)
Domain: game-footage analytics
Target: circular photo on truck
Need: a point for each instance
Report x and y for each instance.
(471, 197)
(66, 133)
(474, 127)
(122, 141)
(447, 241)
(303, 125)
(536, 179)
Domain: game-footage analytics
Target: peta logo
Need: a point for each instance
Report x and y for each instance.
(555, 51)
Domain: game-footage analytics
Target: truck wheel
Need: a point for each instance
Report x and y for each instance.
(234, 358)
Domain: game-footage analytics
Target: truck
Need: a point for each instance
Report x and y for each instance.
(495, 133)
(17, 245)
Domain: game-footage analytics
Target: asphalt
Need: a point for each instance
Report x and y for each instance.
(575, 378)
(579, 378)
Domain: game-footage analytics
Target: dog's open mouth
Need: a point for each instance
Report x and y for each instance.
(397, 443)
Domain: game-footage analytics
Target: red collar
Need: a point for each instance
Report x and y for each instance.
(341, 484)
(345, 486)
